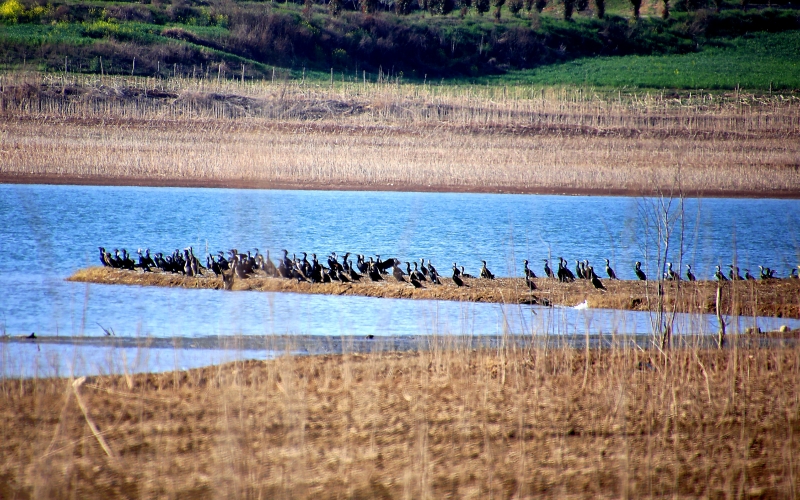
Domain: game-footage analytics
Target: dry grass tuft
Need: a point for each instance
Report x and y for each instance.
(504, 423)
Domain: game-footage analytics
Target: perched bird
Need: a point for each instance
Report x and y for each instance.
(485, 273)
(719, 276)
(417, 275)
(733, 273)
(415, 282)
(397, 272)
(639, 273)
(611, 274)
(748, 276)
(433, 274)
(689, 275)
(529, 282)
(564, 274)
(595, 280)
(103, 257)
(670, 274)
(373, 272)
(528, 272)
(360, 264)
(456, 276)
(213, 265)
(465, 274)
(547, 271)
(579, 270)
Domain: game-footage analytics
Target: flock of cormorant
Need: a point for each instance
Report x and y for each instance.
(244, 265)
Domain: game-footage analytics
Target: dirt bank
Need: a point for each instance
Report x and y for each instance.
(445, 423)
(779, 298)
(190, 182)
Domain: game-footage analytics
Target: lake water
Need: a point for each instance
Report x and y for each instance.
(47, 232)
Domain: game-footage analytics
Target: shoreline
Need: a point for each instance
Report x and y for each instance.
(264, 184)
(776, 298)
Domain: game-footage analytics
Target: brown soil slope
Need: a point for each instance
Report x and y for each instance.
(780, 298)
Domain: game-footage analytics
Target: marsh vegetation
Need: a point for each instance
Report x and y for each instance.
(506, 422)
(384, 136)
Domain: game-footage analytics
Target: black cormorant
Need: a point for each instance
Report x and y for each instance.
(564, 274)
(719, 276)
(611, 274)
(638, 270)
(397, 272)
(528, 272)
(595, 280)
(547, 271)
(689, 275)
(103, 257)
(362, 266)
(213, 265)
(670, 274)
(579, 270)
(415, 274)
(373, 272)
(485, 273)
(456, 276)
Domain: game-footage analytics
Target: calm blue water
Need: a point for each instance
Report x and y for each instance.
(47, 232)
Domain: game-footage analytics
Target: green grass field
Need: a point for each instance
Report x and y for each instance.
(761, 61)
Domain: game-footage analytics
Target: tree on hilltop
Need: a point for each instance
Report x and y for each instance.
(498, 4)
(600, 5)
(637, 6)
(569, 8)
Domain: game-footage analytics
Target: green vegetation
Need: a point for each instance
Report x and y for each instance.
(759, 61)
(528, 41)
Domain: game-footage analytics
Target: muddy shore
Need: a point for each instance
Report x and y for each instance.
(777, 298)
(232, 183)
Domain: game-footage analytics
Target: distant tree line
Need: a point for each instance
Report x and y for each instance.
(348, 35)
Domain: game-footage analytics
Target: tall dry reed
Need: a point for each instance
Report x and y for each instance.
(447, 422)
(385, 136)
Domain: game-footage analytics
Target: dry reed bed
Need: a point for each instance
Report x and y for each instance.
(382, 136)
(506, 423)
(779, 298)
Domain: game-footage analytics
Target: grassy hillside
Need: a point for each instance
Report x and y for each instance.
(759, 61)
(693, 47)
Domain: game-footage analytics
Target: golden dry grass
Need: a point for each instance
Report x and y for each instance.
(505, 423)
(381, 136)
(780, 298)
